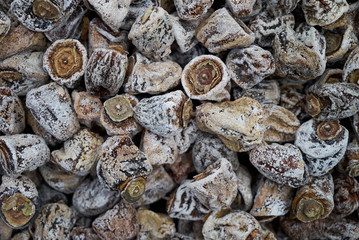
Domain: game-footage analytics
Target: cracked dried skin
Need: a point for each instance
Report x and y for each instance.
(314, 200)
(239, 124)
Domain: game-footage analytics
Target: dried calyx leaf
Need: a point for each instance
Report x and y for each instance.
(310, 209)
(329, 130)
(334, 41)
(17, 209)
(118, 108)
(132, 190)
(46, 9)
(313, 105)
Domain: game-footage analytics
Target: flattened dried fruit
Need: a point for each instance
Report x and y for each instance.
(239, 124)
(51, 106)
(165, 115)
(221, 31)
(241, 8)
(282, 164)
(154, 225)
(249, 66)
(323, 144)
(351, 70)
(314, 200)
(192, 9)
(206, 78)
(152, 33)
(265, 92)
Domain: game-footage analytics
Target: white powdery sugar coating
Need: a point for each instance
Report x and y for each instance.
(51, 106)
(208, 149)
(192, 9)
(351, 64)
(185, 205)
(283, 164)
(244, 186)
(27, 152)
(187, 136)
(159, 150)
(112, 12)
(217, 93)
(324, 12)
(281, 7)
(216, 187)
(92, 198)
(30, 67)
(23, 185)
(249, 66)
(153, 77)
(159, 114)
(234, 225)
(321, 155)
(241, 8)
(221, 32)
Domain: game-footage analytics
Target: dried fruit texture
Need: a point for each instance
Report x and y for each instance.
(185, 139)
(152, 33)
(221, 32)
(184, 204)
(244, 198)
(158, 184)
(159, 150)
(340, 42)
(190, 10)
(80, 153)
(271, 200)
(350, 163)
(19, 201)
(153, 77)
(324, 12)
(87, 107)
(265, 92)
(154, 225)
(23, 72)
(39, 130)
(249, 66)
(239, 124)
(42, 15)
(314, 200)
(120, 222)
(65, 61)
(281, 7)
(49, 195)
(208, 149)
(351, 70)
(105, 72)
(216, 187)
(342, 229)
(241, 8)
(227, 224)
(206, 78)
(6, 231)
(101, 36)
(54, 221)
(164, 115)
(298, 230)
(265, 27)
(180, 169)
(22, 152)
(120, 160)
(70, 27)
(59, 179)
(51, 107)
(292, 97)
(82, 233)
(299, 55)
(282, 164)
(323, 144)
(23, 235)
(21, 39)
(111, 12)
(281, 124)
(346, 195)
(91, 198)
(117, 116)
(5, 24)
(12, 114)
